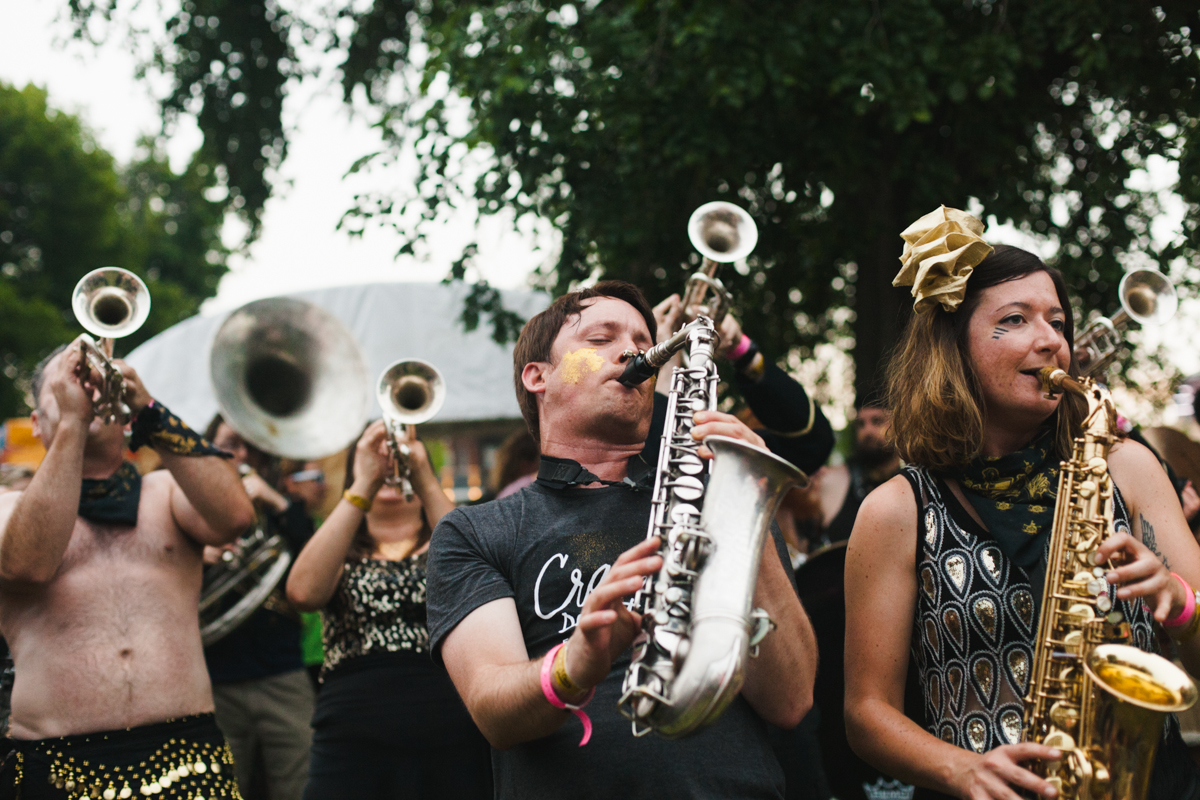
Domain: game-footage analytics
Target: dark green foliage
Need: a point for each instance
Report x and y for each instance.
(228, 61)
(66, 209)
(836, 124)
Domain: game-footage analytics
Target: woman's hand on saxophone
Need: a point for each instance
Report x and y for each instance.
(715, 423)
(992, 775)
(1142, 574)
(606, 627)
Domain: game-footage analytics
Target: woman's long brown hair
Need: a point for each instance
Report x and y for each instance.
(932, 389)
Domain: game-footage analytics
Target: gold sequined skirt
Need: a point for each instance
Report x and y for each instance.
(186, 758)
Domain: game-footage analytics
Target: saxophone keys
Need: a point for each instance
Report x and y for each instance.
(1085, 614)
(1065, 717)
(1086, 489)
(1104, 604)
(1097, 466)
(688, 488)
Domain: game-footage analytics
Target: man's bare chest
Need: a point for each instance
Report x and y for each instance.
(115, 547)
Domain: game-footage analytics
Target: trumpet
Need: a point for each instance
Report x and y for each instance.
(111, 303)
(1147, 297)
(722, 233)
(410, 391)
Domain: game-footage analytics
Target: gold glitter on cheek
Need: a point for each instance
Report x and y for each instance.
(577, 363)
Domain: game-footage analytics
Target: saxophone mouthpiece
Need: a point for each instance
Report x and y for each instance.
(1052, 380)
(638, 369)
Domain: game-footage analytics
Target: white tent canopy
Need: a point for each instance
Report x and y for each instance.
(389, 320)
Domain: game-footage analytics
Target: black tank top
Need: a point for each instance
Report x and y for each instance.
(842, 524)
(974, 636)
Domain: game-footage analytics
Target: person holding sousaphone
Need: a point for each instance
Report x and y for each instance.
(263, 696)
(100, 572)
(388, 722)
(955, 559)
(291, 383)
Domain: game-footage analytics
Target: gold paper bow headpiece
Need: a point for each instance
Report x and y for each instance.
(941, 249)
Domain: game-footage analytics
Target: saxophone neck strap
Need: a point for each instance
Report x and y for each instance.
(564, 473)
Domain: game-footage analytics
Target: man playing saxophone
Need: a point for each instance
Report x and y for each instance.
(100, 575)
(947, 560)
(511, 580)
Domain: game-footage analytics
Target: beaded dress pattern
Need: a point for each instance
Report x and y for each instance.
(379, 606)
(975, 626)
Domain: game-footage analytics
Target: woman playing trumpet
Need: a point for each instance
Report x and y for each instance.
(946, 560)
(388, 723)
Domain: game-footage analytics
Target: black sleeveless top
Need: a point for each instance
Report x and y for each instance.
(859, 487)
(974, 636)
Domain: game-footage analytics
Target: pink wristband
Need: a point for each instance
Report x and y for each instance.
(556, 701)
(739, 349)
(1189, 606)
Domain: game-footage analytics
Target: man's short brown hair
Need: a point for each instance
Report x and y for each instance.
(538, 335)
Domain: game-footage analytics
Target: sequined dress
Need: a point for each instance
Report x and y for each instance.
(379, 607)
(389, 722)
(976, 622)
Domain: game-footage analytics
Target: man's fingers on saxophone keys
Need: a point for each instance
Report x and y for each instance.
(608, 593)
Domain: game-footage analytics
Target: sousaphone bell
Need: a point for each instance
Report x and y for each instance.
(291, 380)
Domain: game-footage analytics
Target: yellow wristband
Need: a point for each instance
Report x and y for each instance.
(357, 500)
(561, 677)
(1189, 629)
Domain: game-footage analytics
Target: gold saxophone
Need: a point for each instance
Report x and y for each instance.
(1101, 702)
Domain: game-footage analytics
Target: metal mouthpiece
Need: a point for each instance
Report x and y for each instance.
(640, 367)
(1056, 381)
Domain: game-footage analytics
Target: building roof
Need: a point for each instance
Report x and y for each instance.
(389, 320)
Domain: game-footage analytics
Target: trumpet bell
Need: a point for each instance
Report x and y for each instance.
(111, 302)
(410, 391)
(1148, 296)
(722, 232)
(290, 378)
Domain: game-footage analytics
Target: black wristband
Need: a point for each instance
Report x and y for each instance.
(156, 426)
(750, 363)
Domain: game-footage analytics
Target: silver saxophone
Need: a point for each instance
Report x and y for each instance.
(698, 626)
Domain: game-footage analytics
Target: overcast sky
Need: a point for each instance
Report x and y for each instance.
(300, 247)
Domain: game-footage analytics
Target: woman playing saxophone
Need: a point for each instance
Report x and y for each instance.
(947, 560)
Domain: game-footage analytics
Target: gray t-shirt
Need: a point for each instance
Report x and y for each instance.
(546, 549)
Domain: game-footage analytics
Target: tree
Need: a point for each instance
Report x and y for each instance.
(835, 124)
(66, 208)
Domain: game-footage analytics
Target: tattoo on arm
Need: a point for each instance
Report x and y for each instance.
(1149, 540)
(998, 332)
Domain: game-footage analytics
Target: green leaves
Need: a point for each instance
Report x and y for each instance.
(66, 209)
(836, 124)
